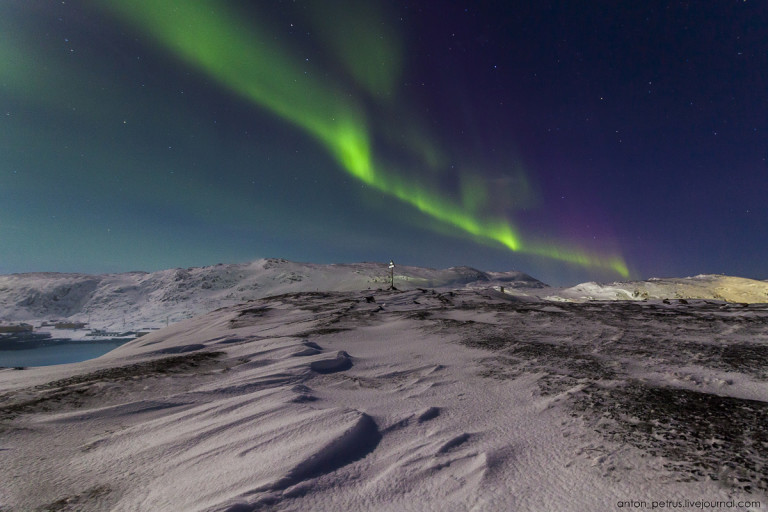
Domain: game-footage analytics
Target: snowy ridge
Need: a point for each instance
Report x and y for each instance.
(140, 299)
(710, 287)
(397, 401)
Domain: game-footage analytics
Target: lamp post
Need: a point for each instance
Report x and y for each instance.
(391, 275)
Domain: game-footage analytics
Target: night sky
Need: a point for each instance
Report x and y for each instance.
(573, 141)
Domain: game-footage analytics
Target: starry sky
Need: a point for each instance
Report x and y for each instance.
(573, 141)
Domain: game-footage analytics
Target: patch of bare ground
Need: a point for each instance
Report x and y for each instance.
(73, 391)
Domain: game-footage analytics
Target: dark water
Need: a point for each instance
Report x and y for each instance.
(57, 353)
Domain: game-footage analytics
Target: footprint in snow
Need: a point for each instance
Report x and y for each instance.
(429, 414)
(341, 362)
(453, 443)
(310, 349)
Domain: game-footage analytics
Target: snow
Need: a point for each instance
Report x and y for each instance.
(138, 300)
(418, 399)
(714, 287)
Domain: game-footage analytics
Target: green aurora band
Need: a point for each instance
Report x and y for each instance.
(248, 61)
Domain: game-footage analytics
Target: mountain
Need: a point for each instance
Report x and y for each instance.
(711, 287)
(141, 299)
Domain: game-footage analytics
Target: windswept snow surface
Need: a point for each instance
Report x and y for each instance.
(402, 400)
(140, 299)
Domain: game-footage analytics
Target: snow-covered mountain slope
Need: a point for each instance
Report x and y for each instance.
(406, 401)
(713, 287)
(140, 299)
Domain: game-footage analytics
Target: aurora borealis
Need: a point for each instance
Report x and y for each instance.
(596, 143)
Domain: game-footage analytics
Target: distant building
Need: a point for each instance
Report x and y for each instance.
(16, 328)
(70, 325)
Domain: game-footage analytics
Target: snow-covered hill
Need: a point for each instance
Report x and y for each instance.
(712, 287)
(140, 299)
(403, 401)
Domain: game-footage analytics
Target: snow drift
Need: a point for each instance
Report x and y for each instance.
(401, 400)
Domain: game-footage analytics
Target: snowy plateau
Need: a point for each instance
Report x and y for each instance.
(290, 386)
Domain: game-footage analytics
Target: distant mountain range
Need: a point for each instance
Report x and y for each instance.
(141, 299)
